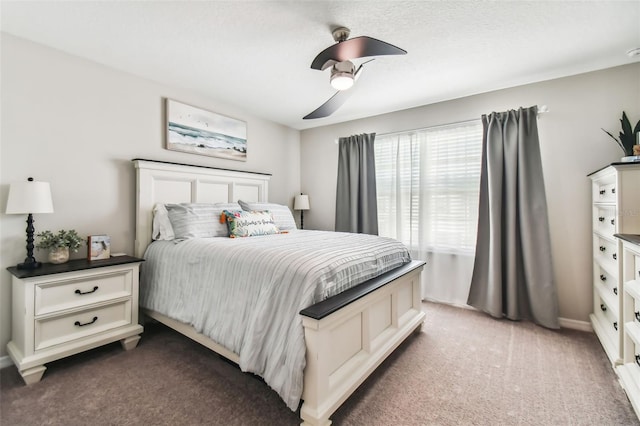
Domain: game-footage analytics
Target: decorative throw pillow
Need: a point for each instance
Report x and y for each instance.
(282, 216)
(198, 220)
(249, 224)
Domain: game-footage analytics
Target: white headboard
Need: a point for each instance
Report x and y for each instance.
(162, 182)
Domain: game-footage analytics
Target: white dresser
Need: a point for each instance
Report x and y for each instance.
(60, 310)
(629, 371)
(616, 209)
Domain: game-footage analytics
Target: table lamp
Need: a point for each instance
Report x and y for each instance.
(301, 202)
(28, 198)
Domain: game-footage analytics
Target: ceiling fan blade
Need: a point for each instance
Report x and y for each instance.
(329, 107)
(357, 47)
(356, 75)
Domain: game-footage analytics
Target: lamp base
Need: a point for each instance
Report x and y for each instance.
(29, 261)
(29, 265)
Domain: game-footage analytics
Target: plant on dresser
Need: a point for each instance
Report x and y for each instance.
(629, 371)
(60, 310)
(615, 209)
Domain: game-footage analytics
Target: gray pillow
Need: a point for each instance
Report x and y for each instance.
(282, 216)
(198, 220)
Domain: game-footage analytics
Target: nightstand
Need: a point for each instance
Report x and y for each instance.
(61, 310)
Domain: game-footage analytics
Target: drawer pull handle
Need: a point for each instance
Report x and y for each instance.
(602, 191)
(95, 288)
(603, 308)
(615, 291)
(615, 256)
(637, 359)
(613, 221)
(601, 219)
(602, 248)
(637, 315)
(603, 277)
(613, 190)
(615, 324)
(79, 324)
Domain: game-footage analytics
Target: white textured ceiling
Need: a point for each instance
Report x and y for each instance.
(257, 54)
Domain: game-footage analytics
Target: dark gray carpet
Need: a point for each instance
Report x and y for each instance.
(464, 368)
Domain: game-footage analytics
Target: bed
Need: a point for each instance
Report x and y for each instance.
(344, 337)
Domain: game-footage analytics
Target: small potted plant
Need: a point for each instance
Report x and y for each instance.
(629, 138)
(59, 244)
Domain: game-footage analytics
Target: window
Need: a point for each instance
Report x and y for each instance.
(428, 184)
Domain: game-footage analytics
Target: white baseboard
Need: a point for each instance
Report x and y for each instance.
(575, 324)
(564, 322)
(5, 361)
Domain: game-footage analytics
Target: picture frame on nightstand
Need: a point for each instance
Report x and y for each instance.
(99, 247)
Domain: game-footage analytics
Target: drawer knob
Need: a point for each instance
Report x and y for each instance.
(601, 219)
(602, 191)
(79, 324)
(602, 248)
(95, 288)
(615, 290)
(603, 308)
(637, 315)
(615, 325)
(615, 256)
(637, 359)
(613, 221)
(613, 190)
(603, 277)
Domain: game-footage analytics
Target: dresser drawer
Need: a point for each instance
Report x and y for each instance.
(54, 296)
(606, 252)
(64, 328)
(604, 220)
(604, 190)
(606, 280)
(608, 317)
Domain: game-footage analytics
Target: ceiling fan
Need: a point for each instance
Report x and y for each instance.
(343, 72)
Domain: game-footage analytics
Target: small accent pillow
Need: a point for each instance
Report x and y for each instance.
(282, 216)
(162, 229)
(249, 224)
(198, 220)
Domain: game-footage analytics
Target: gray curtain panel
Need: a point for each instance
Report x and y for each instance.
(356, 204)
(513, 274)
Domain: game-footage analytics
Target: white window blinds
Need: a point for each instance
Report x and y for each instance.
(427, 186)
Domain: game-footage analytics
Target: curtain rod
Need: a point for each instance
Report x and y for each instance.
(542, 109)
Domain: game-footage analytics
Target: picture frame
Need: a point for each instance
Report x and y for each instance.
(99, 247)
(197, 131)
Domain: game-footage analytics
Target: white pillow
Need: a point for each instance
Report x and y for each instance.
(198, 220)
(282, 216)
(162, 229)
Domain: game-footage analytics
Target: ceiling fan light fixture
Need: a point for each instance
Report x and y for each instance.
(342, 80)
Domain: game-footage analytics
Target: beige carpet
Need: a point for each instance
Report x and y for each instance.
(464, 368)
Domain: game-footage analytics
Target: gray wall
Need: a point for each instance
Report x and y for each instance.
(572, 146)
(78, 124)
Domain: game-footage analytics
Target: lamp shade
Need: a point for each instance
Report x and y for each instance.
(301, 202)
(29, 197)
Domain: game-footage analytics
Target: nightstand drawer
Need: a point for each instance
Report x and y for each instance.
(54, 296)
(60, 329)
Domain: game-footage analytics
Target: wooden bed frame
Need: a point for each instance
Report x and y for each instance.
(347, 336)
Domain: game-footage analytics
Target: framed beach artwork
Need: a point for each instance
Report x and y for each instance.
(194, 130)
